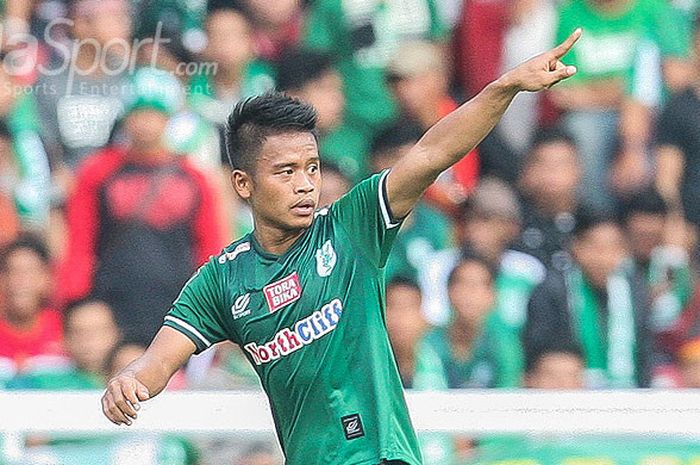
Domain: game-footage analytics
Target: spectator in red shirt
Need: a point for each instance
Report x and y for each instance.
(419, 77)
(29, 328)
(141, 218)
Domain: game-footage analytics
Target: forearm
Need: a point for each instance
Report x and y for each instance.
(447, 141)
(152, 373)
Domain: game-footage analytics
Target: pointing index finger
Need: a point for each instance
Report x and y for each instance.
(563, 48)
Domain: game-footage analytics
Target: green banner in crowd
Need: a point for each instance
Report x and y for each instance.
(588, 451)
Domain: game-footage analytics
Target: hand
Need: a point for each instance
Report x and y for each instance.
(544, 70)
(121, 399)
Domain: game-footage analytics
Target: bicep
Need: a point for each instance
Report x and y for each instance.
(408, 179)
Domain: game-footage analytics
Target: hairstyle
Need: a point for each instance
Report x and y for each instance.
(254, 119)
(648, 201)
(547, 135)
(588, 218)
(405, 281)
(535, 355)
(469, 255)
(25, 242)
(299, 67)
(401, 132)
(76, 305)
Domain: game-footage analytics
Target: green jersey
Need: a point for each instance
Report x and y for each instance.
(312, 323)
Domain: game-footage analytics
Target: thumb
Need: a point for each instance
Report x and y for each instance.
(562, 72)
(142, 392)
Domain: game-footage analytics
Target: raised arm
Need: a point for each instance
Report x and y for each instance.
(460, 131)
(146, 376)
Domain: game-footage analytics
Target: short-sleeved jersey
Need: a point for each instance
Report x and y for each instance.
(312, 323)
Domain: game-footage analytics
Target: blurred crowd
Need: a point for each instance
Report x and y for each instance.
(561, 253)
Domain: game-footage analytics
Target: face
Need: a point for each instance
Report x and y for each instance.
(645, 232)
(146, 127)
(124, 356)
(553, 172)
(599, 251)
(335, 186)
(326, 95)
(283, 192)
(557, 370)
(277, 13)
(471, 293)
(490, 235)
(104, 21)
(25, 283)
(404, 319)
(221, 26)
(416, 93)
(90, 336)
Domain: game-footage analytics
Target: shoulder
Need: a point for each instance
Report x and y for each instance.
(101, 164)
(233, 251)
(523, 265)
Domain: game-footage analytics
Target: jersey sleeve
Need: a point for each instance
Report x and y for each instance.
(365, 215)
(197, 311)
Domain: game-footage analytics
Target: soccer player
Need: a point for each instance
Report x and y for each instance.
(303, 295)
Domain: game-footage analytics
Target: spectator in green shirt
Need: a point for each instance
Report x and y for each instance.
(363, 35)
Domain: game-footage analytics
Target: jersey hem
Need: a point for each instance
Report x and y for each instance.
(198, 344)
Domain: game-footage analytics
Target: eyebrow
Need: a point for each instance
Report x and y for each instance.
(278, 166)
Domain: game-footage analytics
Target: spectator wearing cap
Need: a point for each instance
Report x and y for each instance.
(141, 219)
(426, 230)
(599, 305)
(30, 329)
(490, 222)
(311, 76)
(419, 79)
(548, 184)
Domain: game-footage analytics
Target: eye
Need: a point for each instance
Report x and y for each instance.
(287, 172)
(313, 168)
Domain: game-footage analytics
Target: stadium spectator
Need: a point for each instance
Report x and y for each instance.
(472, 351)
(425, 230)
(310, 76)
(664, 265)
(599, 304)
(90, 336)
(490, 222)
(362, 36)
(678, 146)
(140, 220)
(549, 184)
(592, 100)
(405, 324)
(30, 330)
(83, 97)
(419, 79)
(24, 165)
(238, 73)
(277, 25)
(555, 368)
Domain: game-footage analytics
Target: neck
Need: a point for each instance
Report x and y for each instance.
(557, 204)
(275, 240)
(21, 322)
(146, 153)
(462, 335)
(404, 359)
(429, 115)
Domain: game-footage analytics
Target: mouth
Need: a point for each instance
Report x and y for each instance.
(304, 208)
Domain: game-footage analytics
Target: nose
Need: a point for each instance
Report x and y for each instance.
(304, 183)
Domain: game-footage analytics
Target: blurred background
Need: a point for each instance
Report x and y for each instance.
(562, 253)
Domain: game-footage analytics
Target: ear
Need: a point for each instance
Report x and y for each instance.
(242, 183)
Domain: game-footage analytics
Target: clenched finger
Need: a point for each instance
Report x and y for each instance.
(115, 414)
(560, 73)
(563, 48)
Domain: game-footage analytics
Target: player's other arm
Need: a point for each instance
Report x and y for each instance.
(460, 131)
(146, 376)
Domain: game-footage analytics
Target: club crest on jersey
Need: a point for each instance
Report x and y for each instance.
(240, 306)
(325, 259)
(283, 292)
